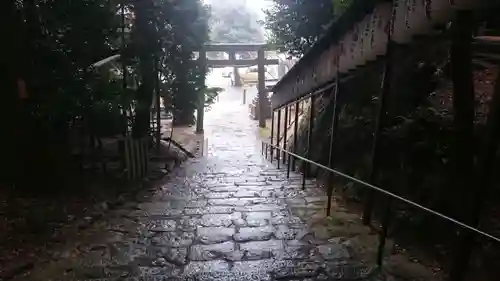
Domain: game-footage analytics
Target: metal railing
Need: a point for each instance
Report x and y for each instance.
(391, 196)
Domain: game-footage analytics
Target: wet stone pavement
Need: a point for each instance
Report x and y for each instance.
(228, 216)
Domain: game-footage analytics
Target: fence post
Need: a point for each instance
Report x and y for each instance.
(284, 133)
(295, 132)
(335, 117)
(272, 135)
(486, 166)
(206, 147)
(128, 156)
(309, 140)
(262, 94)
(158, 103)
(384, 232)
(278, 125)
(381, 123)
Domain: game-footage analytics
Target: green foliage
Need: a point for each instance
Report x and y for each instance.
(184, 30)
(60, 41)
(104, 115)
(57, 43)
(211, 95)
(295, 26)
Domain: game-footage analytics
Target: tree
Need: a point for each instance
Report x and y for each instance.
(294, 26)
(233, 22)
(185, 31)
(56, 44)
(146, 39)
(168, 33)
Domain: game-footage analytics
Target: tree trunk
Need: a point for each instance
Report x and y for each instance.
(146, 38)
(183, 117)
(237, 77)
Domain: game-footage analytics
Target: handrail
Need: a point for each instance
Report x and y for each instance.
(390, 194)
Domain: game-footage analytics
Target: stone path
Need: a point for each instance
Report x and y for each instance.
(228, 216)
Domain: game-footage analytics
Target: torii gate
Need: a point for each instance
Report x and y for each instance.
(232, 49)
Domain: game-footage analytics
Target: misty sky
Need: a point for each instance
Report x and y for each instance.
(256, 5)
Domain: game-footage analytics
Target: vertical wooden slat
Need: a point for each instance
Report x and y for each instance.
(145, 149)
(144, 145)
(133, 159)
(128, 157)
(139, 159)
(133, 156)
(140, 156)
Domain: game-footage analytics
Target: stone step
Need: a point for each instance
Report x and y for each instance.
(271, 269)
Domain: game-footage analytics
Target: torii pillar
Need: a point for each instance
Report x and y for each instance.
(200, 111)
(263, 101)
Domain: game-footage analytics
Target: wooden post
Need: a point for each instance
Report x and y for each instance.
(285, 123)
(158, 108)
(381, 123)
(295, 132)
(486, 171)
(263, 101)
(335, 120)
(310, 134)
(272, 135)
(200, 112)
(278, 125)
(124, 68)
(244, 96)
(463, 121)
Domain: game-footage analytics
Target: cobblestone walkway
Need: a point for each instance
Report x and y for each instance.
(228, 216)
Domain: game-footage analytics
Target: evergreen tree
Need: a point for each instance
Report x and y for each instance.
(294, 26)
